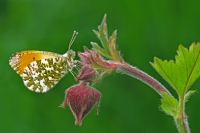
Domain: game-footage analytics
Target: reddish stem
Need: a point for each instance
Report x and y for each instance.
(144, 77)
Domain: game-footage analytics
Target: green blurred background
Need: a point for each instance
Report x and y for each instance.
(145, 29)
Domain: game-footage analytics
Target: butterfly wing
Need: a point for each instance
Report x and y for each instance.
(40, 70)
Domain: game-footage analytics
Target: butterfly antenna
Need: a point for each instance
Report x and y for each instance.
(73, 38)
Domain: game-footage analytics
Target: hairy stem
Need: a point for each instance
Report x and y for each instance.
(144, 77)
(181, 118)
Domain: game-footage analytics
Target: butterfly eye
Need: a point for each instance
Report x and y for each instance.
(72, 54)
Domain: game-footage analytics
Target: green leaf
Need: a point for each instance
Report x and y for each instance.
(102, 34)
(109, 44)
(112, 48)
(182, 73)
(100, 50)
(169, 104)
(189, 93)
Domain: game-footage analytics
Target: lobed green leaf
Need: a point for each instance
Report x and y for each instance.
(188, 94)
(169, 104)
(100, 50)
(182, 73)
(112, 48)
(102, 34)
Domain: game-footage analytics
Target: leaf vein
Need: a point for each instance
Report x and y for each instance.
(166, 74)
(193, 67)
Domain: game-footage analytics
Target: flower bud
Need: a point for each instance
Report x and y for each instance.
(86, 74)
(81, 99)
(95, 60)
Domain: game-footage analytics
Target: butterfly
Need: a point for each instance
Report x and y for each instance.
(41, 70)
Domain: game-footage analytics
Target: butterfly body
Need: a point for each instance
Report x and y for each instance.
(41, 70)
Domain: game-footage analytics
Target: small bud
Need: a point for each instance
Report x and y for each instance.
(81, 99)
(86, 73)
(95, 60)
(85, 56)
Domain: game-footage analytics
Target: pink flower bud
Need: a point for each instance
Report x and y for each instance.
(85, 56)
(95, 60)
(81, 99)
(86, 74)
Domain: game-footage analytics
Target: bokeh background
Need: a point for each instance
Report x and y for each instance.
(145, 29)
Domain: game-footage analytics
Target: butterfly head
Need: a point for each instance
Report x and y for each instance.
(70, 54)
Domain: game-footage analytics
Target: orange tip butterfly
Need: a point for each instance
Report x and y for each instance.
(41, 70)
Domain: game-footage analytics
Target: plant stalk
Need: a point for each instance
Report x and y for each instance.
(181, 118)
(144, 77)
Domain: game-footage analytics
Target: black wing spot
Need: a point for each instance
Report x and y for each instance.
(33, 58)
